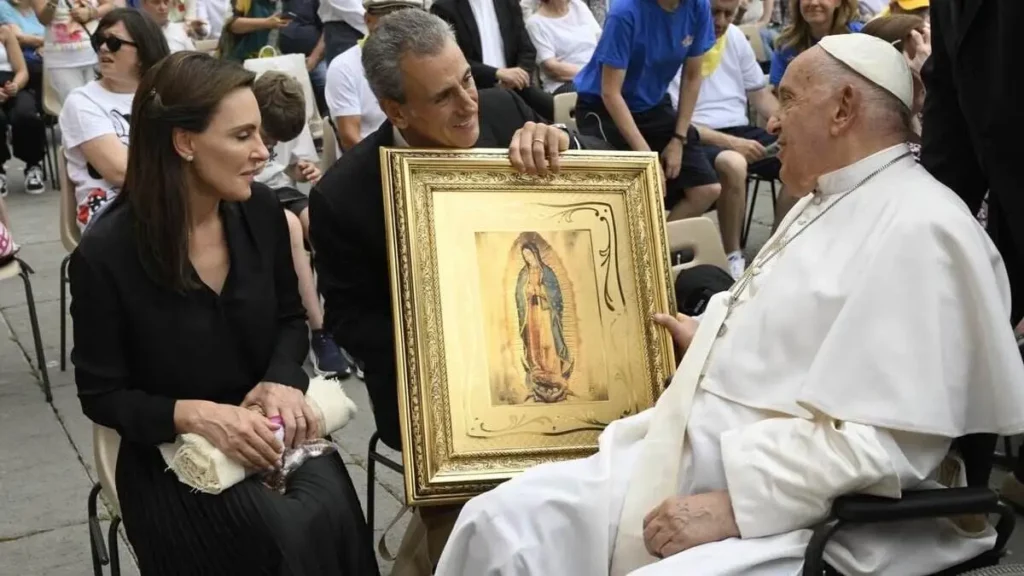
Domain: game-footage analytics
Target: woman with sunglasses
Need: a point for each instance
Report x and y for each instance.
(69, 59)
(96, 118)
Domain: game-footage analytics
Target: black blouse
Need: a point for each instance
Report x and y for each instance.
(140, 346)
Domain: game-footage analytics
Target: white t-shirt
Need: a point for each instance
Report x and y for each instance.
(90, 112)
(285, 154)
(347, 11)
(66, 43)
(5, 62)
(491, 43)
(177, 38)
(214, 13)
(571, 38)
(348, 92)
(722, 102)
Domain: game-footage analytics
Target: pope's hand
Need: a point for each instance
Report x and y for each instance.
(681, 327)
(535, 148)
(684, 522)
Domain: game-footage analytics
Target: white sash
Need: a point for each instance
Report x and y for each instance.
(656, 474)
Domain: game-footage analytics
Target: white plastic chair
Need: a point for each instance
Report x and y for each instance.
(565, 109)
(105, 445)
(293, 65)
(330, 152)
(700, 235)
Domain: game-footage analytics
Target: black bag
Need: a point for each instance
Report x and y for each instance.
(695, 287)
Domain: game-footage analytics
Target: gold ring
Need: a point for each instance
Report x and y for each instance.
(541, 140)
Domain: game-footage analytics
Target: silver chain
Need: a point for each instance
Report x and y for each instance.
(781, 241)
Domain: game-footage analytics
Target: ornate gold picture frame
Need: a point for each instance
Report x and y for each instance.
(522, 309)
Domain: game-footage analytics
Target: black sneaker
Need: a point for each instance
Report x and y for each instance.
(357, 365)
(326, 356)
(34, 183)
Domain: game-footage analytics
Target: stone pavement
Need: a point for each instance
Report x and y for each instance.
(46, 458)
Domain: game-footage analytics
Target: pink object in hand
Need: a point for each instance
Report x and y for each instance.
(279, 433)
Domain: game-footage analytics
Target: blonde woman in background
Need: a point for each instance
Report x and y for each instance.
(812, 20)
(69, 58)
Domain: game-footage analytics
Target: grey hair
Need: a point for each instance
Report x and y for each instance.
(883, 111)
(405, 32)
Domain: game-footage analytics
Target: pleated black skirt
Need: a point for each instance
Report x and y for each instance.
(315, 529)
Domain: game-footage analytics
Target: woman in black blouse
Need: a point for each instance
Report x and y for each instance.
(186, 311)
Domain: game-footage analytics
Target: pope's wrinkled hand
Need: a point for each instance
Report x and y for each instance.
(684, 522)
(535, 148)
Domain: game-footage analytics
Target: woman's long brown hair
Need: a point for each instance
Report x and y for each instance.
(181, 92)
(797, 35)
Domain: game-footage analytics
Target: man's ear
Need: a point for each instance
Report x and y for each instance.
(183, 144)
(393, 110)
(849, 104)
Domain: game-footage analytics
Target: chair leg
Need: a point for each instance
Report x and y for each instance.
(36, 335)
(750, 211)
(775, 197)
(64, 312)
(99, 553)
(115, 554)
(371, 480)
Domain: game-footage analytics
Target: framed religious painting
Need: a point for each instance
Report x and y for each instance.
(523, 309)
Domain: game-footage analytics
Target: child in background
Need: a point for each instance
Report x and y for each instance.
(293, 160)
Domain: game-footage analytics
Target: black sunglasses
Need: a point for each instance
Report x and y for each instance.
(113, 43)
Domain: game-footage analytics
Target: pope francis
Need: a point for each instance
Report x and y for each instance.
(871, 330)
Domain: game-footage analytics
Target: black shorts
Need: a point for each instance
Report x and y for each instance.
(292, 200)
(766, 167)
(657, 126)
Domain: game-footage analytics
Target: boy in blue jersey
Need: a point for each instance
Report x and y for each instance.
(622, 92)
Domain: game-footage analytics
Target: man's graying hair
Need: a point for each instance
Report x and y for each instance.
(412, 31)
(884, 111)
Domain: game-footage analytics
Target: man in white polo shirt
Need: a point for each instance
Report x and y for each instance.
(731, 143)
(353, 106)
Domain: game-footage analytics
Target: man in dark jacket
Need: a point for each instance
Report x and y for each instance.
(493, 37)
(425, 87)
(973, 117)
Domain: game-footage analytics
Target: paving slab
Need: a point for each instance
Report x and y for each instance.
(48, 313)
(62, 551)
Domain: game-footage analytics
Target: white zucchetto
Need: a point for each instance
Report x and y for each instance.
(875, 59)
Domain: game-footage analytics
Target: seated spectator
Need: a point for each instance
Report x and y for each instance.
(70, 59)
(304, 35)
(248, 29)
(187, 321)
(354, 108)
(492, 35)
(622, 93)
(96, 118)
(18, 111)
(912, 36)
(728, 137)
(175, 32)
(22, 19)
(565, 34)
(293, 159)
(812, 20)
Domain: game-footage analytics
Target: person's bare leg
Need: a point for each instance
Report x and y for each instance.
(783, 205)
(304, 271)
(304, 220)
(732, 203)
(696, 201)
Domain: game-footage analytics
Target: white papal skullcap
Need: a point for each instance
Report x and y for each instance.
(875, 59)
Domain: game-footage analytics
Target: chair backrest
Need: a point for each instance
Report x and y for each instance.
(700, 235)
(105, 445)
(293, 65)
(330, 152)
(753, 34)
(51, 102)
(565, 109)
(209, 45)
(69, 232)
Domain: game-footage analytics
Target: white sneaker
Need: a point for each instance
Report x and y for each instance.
(737, 264)
(34, 180)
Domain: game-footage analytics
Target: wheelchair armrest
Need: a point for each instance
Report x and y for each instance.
(914, 505)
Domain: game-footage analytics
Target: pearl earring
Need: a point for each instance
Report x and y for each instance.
(188, 158)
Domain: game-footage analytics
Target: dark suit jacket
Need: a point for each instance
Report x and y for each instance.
(974, 116)
(519, 50)
(346, 218)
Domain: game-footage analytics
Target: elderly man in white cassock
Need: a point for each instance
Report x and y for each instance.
(868, 334)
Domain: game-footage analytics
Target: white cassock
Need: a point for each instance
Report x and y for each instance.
(878, 334)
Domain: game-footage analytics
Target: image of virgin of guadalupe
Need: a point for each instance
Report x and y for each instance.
(546, 358)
